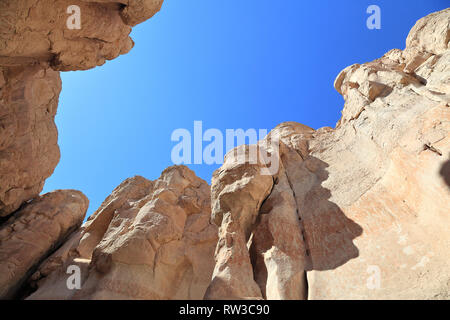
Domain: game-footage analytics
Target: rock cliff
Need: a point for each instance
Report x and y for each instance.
(148, 240)
(29, 149)
(35, 43)
(355, 212)
(33, 232)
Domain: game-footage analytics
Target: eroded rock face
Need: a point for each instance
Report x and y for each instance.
(29, 149)
(36, 30)
(33, 232)
(148, 240)
(35, 43)
(355, 212)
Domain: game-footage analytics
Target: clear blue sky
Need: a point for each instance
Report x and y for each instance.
(229, 63)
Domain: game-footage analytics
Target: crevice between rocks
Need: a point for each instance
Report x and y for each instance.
(253, 256)
(25, 289)
(308, 259)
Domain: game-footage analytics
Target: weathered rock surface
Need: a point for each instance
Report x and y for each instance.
(35, 43)
(37, 30)
(356, 212)
(148, 240)
(33, 232)
(29, 149)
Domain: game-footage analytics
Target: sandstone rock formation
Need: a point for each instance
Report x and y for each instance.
(33, 31)
(356, 212)
(148, 240)
(29, 149)
(35, 43)
(33, 232)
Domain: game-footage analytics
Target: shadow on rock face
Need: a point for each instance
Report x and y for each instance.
(329, 234)
(445, 171)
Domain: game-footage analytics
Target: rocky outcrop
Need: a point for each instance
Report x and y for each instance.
(33, 232)
(35, 43)
(29, 149)
(33, 31)
(148, 240)
(355, 212)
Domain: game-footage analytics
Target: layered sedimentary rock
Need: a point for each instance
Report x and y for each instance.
(37, 39)
(356, 212)
(33, 232)
(148, 240)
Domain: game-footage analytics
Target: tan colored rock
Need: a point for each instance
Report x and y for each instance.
(148, 240)
(360, 211)
(37, 31)
(238, 192)
(134, 12)
(35, 41)
(355, 212)
(28, 137)
(138, 11)
(33, 232)
(430, 34)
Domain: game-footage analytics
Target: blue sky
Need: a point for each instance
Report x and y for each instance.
(230, 64)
